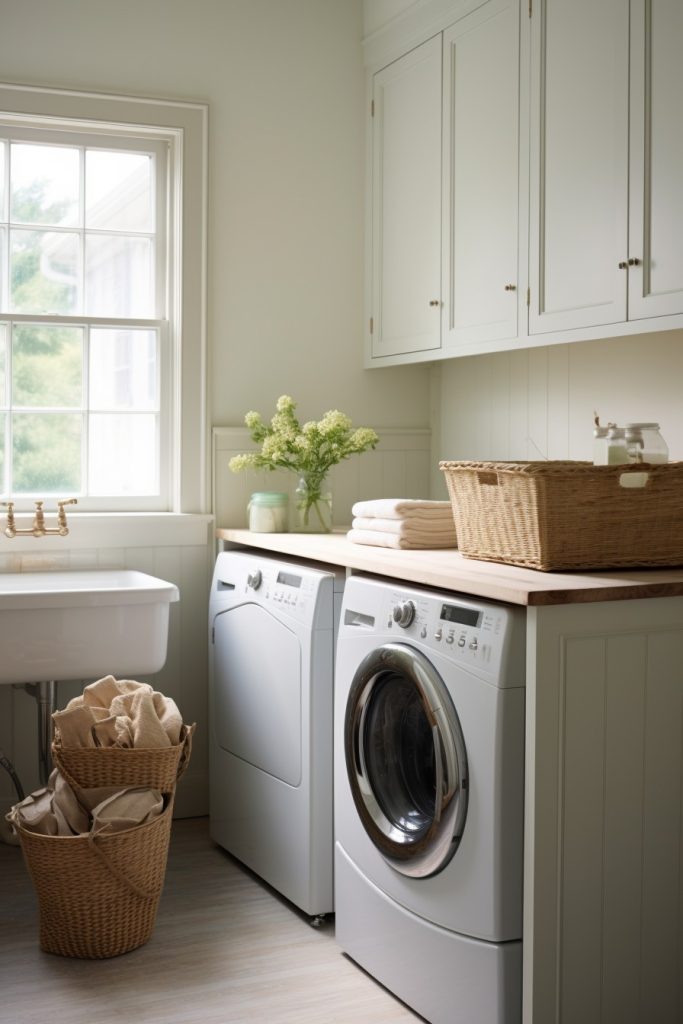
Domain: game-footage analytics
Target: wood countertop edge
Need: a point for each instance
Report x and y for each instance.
(491, 580)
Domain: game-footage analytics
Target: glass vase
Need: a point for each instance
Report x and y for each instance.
(312, 505)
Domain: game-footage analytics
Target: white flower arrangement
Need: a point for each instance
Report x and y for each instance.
(309, 450)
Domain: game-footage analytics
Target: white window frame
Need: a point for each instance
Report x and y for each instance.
(182, 127)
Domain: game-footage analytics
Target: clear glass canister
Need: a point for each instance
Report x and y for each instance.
(268, 512)
(644, 443)
(616, 446)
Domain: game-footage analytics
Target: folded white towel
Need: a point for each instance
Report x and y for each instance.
(414, 526)
(397, 508)
(396, 540)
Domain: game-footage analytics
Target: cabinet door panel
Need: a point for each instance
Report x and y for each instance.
(406, 201)
(579, 164)
(481, 126)
(656, 203)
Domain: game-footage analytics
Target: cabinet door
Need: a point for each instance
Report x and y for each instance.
(656, 199)
(579, 164)
(480, 199)
(406, 203)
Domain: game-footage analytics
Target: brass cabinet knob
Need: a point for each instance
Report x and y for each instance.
(510, 287)
(623, 265)
(634, 262)
(434, 302)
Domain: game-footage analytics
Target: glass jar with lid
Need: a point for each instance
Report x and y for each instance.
(268, 512)
(616, 446)
(644, 443)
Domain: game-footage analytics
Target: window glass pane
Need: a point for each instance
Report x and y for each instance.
(46, 451)
(118, 276)
(123, 369)
(47, 366)
(3, 364)
(44, 184)
(118, 191)
(123, 454)
(44, 272)
(3, 186)
(3, 243)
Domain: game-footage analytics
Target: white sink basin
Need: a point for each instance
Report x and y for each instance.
(83, 624)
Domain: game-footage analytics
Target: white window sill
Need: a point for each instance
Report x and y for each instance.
(95, 530)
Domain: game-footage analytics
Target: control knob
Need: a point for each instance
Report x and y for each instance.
(254, 579)
(404, 613)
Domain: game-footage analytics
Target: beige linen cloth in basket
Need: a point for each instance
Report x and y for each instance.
(119, 713)
(57, 810)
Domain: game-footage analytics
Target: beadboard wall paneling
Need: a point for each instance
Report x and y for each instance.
(184, 676)
(539, 403)
(608, 725)
(398, 467)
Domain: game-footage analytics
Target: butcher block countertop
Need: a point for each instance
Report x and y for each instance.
(449, 570)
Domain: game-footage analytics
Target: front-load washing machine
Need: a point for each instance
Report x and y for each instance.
(272, 632)
(429, 778)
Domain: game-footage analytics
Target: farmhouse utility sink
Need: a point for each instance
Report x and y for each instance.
(82, 624)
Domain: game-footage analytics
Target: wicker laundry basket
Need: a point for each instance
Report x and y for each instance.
(89, 767)
(98, 896)
(568, 515)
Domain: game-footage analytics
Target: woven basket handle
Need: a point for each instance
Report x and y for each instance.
(128, 882)
(487, 478)
(186, 752)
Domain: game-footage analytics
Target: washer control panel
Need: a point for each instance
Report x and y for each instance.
(468, 632)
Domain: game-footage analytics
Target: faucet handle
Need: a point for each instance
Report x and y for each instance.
(61, 515)
(10, 529)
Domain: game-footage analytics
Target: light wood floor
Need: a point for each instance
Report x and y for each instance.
(225, 950)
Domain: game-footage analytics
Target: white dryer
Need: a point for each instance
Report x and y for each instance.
(429, 777)
(272, 632)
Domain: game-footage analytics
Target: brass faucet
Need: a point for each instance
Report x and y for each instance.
(38, 528)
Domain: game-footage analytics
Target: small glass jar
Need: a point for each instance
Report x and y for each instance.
(268, 512)
(600, 446)
(616, 446)
(644, 443)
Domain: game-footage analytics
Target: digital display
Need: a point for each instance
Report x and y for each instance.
(463, 616)
(289, 579)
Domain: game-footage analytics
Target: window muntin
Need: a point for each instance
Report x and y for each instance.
(85, 358)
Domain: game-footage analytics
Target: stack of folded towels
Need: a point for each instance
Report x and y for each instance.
(403, 523)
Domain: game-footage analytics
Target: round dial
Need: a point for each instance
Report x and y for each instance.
(254, 579)
(404, 613)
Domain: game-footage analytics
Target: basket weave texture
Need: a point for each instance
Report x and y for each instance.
(90, 767)
(567, 515)
(98, 895)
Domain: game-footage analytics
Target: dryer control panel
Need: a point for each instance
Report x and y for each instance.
(290, 590)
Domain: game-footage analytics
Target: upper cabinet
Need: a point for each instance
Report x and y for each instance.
(480, 178)
(524, 183)
(578, 245)
(655, 253)
(606, 216)
(406, 206)
(444, 181)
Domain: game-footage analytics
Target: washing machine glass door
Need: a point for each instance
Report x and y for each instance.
(406, 759)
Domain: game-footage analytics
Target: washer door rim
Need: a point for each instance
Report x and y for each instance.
(425, 852)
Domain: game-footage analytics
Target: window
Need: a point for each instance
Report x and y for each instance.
(95, 330)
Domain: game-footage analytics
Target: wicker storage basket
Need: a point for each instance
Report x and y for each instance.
(98, 896)
(89, 767)
(567, 515)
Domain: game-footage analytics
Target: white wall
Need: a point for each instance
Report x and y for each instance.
(539, 403)
(284, 82)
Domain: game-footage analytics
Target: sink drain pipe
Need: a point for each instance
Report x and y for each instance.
(9, 768)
